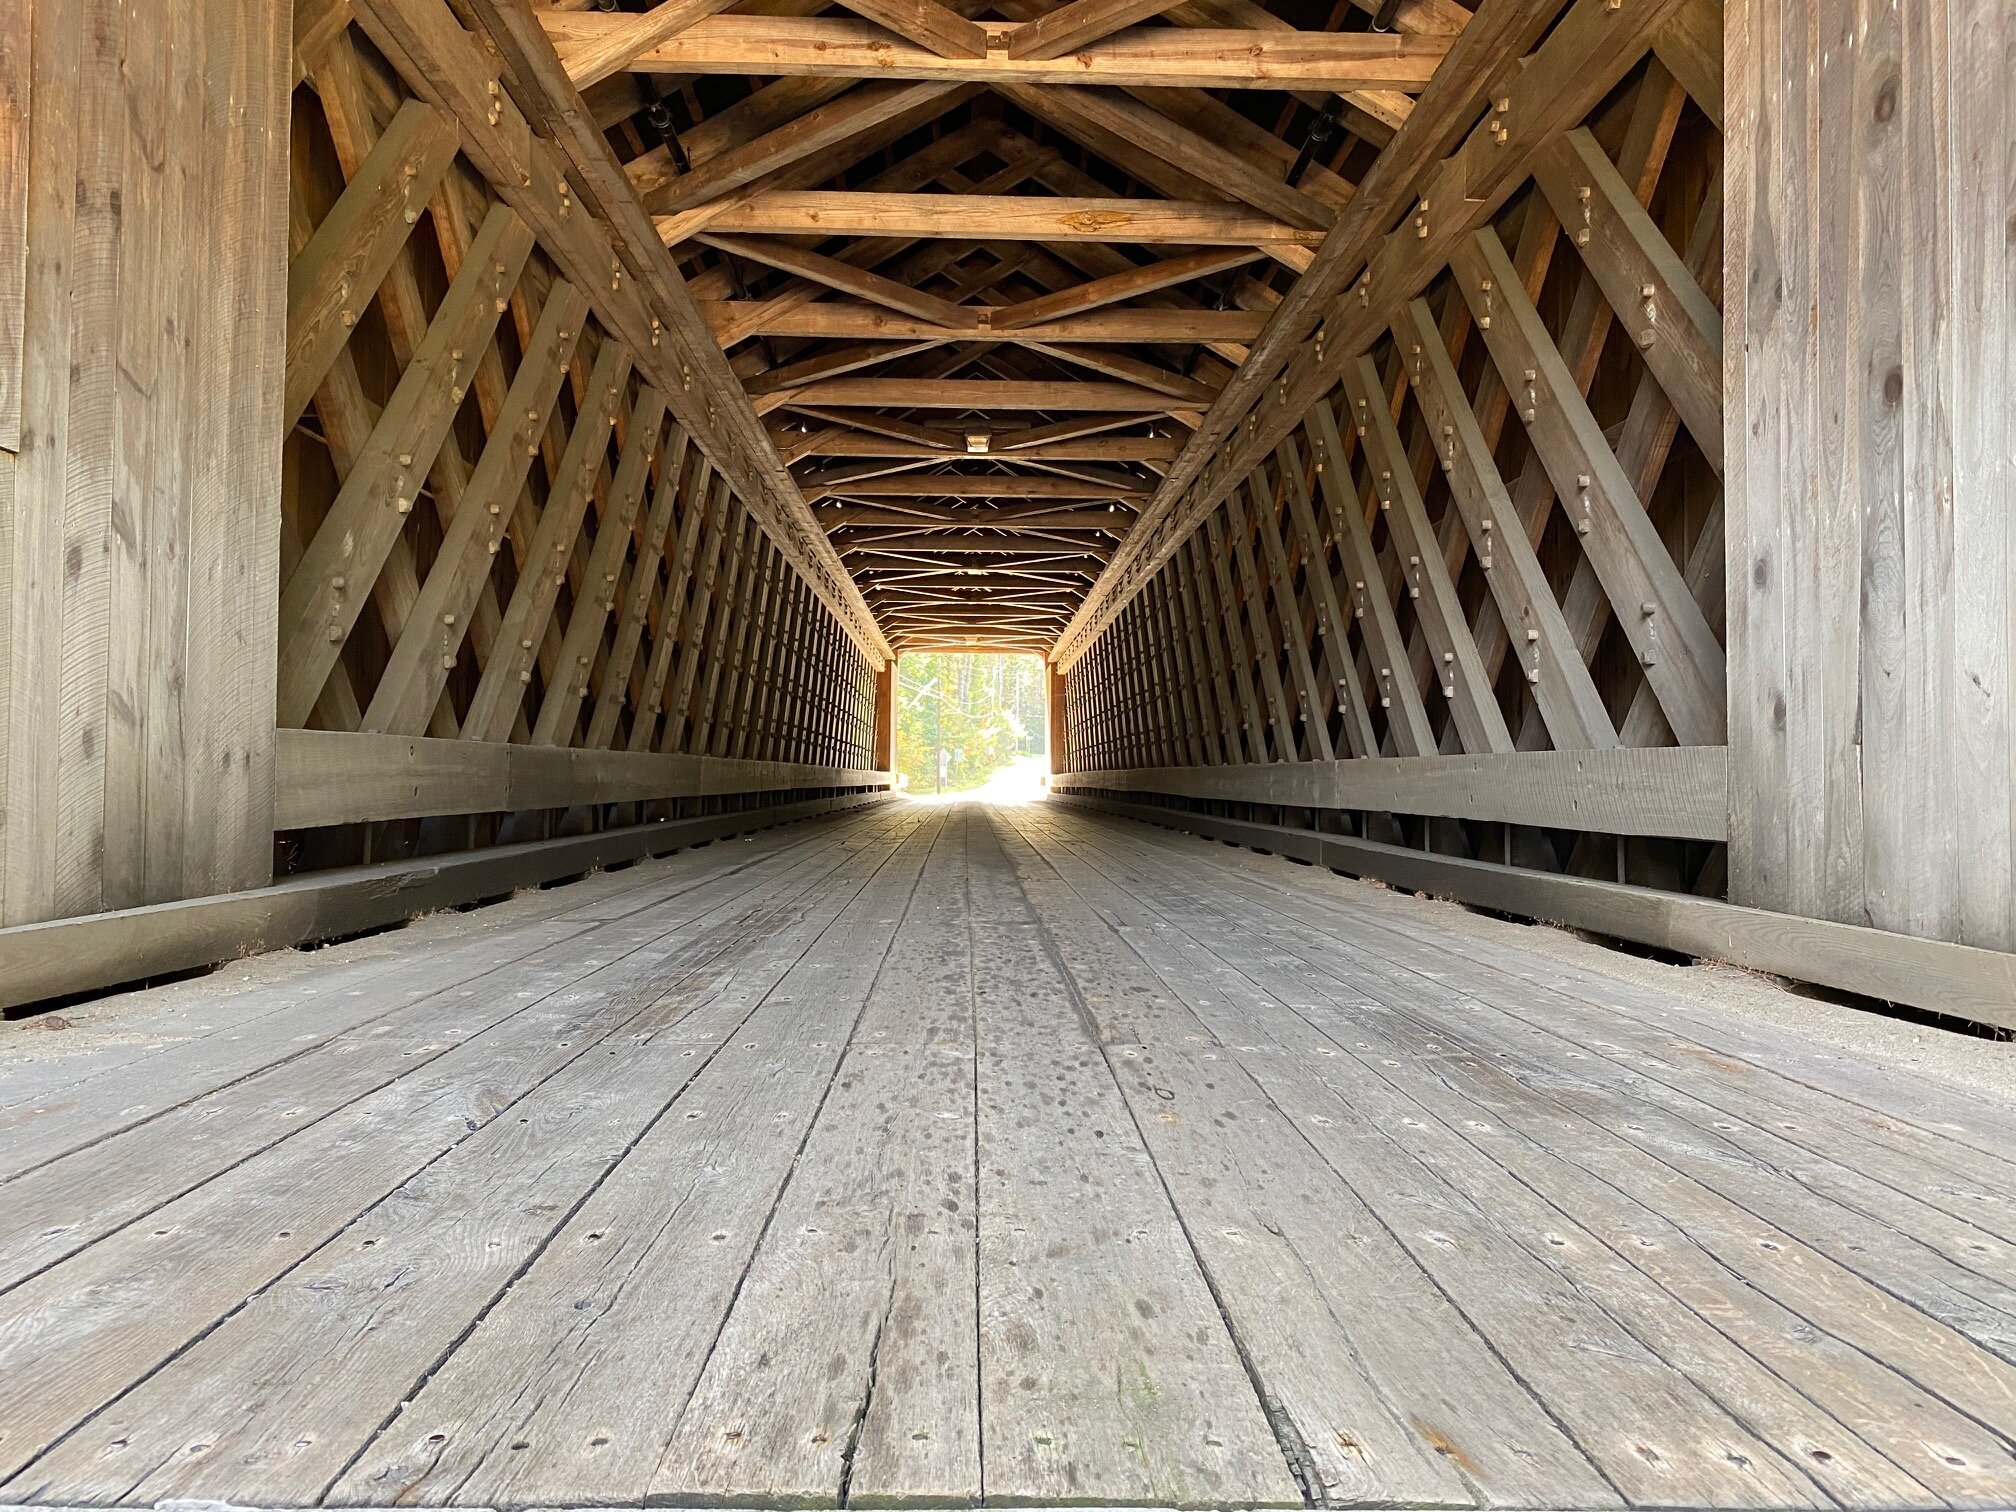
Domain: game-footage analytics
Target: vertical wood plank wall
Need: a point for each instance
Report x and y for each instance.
(884, 755)
(1871, 484)
(140, 495)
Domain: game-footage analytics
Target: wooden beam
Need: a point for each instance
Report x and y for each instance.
(1110, 363)
(1676, 647)
(1077, 23)
(597, 590)
(334, 277)
(815, 132)
(1004, 218)
(982, 581)
(595, 52)
(1676, 327)
(618, 687)
(982, 394)
(828, 362)
(1149, 278)
(410, 686)
(1101, 117)
(1054, 559)
(1144, 449)
(1157, 58)
(1023, 595)
(1691, 46)
(943, 315)
(903, 431)
(942, 30)
(739, 320)
(939, 541)
(994, 606)
(1678, 791)
(1029, 441)
(970, 486)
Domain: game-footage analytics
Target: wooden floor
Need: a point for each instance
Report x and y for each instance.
(937, 1154)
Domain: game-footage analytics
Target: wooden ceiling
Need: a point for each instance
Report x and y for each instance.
(984, 268)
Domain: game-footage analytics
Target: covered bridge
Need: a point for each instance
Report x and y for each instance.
(1505, 1002)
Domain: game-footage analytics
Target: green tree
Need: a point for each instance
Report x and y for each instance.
(962, 716)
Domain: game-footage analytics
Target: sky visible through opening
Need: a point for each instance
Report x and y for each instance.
(970, 723)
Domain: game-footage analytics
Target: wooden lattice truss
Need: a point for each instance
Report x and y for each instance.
(518, 506)
(991, 323)
(1480, 510)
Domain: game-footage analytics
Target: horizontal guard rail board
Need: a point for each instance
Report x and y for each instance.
(1678, 791)
(1961, 980)
(337, 777)
(85, 954)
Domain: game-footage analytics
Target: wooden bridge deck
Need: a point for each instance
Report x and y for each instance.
(939, 1154)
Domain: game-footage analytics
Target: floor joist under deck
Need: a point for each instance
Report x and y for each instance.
(940, 1154)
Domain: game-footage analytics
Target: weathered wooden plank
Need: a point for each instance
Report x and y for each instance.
(103, 950)
(145, 477)
(362, 1155)
(1954, 979)
(333, 777)
(846, 1360)
(508, 674)
(1512, 1245)
(596, 590)
(334, 277)
(1680, 791)
(320, 604)
(410, 686)
(600, 1395)
(16, 93)
(1344, 1375)
(1086, 1393)
(1830, 1252)
(965, 217)
(244, 1099)
(1160, 57)
(1676, 327)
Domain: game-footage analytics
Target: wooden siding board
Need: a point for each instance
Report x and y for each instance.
(1677, 790)
(1869, 498)
(143, 536)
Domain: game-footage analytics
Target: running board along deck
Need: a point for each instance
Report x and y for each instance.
(67, 956)
(1961, 980)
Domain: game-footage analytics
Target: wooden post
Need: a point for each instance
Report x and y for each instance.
(140, 501)
(1871, 494)
(1056, 733)
(885, 717)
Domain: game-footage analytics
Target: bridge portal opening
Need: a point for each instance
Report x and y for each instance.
(971, 724)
